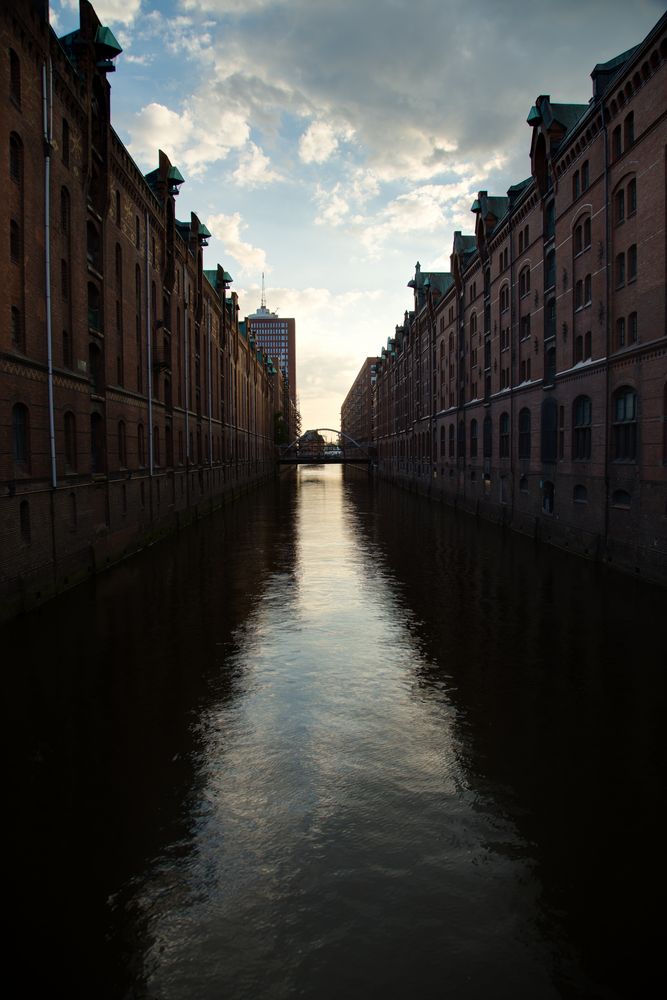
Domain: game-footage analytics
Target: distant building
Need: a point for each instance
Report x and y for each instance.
(276, 336)
(356, 413)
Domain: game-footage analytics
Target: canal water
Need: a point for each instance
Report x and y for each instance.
(338, 742)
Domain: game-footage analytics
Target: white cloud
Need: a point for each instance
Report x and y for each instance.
(227, 229)
(193, 139)
(110, 11)
(254, 169)
(320, 141)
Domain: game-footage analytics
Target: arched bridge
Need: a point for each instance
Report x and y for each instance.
(325, 445)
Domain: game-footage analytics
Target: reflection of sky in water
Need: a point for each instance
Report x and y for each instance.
(336, 844)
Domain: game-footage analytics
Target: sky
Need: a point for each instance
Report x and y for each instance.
(332, 144)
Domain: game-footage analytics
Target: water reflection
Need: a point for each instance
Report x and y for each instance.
(337, 741)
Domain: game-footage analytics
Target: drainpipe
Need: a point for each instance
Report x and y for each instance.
(607, 411)
(148, 351)
(511, 346)
(186, 369)
(209, 392)
(47, 111)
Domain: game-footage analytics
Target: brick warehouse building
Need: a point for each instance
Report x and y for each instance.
(357, 411)
(131, 399)
(529, 384)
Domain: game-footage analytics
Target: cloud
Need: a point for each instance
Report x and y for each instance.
(110, 11)
(320, 141)
(227, 229)
(194, 138)
(254, 169)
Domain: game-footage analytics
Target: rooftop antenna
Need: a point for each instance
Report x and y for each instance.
(263, 294)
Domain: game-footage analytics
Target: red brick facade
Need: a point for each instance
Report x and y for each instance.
(130, 397)
(357, 411)
(529, 385)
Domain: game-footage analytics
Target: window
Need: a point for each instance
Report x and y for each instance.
(473, 439)
(451, 440)
(14, 242)
(524, 326)
(65, 211)
(575, 185)
(524, 433)
(550, 319)
(443, 446)
(588, 290)
(581, 429)
(633, 332)
(619, 206)
(15, 158)
(632, 262)
(93, 247)
(65, 142)
(94, 311)
(504, 437)
(504, 298)
(579, 295)
(620, 332)
(632, 197)
(578, 239)
(585, 181)
(550, 220)
(616, 143)
(550, 269)
(14, 77)
(21, 435)
(122, 444)
(621, 498)
(548, 494)
(523, 484)
(17, 328)
(624, 427)
(629, 130)
(620, 270)
(580, 494)
(524, 282)
(70, 442)
(587, 232)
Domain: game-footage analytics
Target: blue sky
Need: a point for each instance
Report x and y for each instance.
(333, 143)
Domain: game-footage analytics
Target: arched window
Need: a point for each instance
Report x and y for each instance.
(443, 447)
(70, 442)
(93, 253)
(21, 436)
(94, 311)
(624, 427)
(524, 282)
(621, 498)
(451, 440)
(15, 158)
(524, 433)
(504, 437)
(473, 439)
(580, 494)
(587, 232)
(581, 429)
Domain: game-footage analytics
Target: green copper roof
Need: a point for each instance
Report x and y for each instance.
(534, 117)
(175, 176)
(104, 37)
(204, 231)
